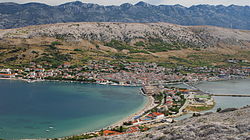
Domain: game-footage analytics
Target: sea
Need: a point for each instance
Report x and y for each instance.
(58, 109)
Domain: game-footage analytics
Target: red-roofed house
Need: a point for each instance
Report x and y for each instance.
(109, 133)
(133, 129)
(158, 115)
(136, 122)
(6, 73)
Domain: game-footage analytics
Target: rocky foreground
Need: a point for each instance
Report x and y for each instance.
(225, 125)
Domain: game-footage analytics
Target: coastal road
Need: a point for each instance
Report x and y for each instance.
(182, 108)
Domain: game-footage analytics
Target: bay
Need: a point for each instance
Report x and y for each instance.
(57, 109)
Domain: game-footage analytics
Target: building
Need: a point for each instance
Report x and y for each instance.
(39, 69)
(110, 133)
(136, 122)
(150, 90)
(6, 73)
(133, 129)
(158, 115)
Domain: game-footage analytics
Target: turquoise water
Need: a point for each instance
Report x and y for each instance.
(27, 110)
(224, 87)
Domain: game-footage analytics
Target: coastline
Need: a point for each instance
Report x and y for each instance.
(66, 81)
(143, 104)
(192, 84)
(147, 106)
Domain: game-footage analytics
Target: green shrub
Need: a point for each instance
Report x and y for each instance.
(140, 43)
(77, 50)
(54, 43)
(118, 45)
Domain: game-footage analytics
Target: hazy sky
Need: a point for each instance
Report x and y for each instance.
(155, 2)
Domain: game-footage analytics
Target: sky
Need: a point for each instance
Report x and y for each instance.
(155, 2)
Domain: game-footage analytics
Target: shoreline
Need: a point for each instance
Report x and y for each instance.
(65, 81)
(130, 85)
(148, 105)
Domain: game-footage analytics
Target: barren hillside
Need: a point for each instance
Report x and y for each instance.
(196, 35)
(151, 42)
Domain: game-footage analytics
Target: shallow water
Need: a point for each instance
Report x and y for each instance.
(228, 87)
(224, 87)
(56, 109)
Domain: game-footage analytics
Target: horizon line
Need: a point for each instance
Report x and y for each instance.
(123, 3)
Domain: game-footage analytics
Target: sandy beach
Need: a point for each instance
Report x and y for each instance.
(149, 105)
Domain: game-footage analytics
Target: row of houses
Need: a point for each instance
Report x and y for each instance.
(6, 73)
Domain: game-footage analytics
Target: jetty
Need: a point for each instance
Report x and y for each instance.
(211, 94)
(231, 95)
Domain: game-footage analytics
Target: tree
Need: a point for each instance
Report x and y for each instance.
(218, 109)
(121, 129)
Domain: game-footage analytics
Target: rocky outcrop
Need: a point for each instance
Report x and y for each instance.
(228, 125)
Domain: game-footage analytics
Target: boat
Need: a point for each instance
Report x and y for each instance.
(142, 92)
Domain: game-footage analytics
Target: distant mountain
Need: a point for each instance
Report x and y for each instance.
(14, 15)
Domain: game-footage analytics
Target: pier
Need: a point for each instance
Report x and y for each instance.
(231, 95)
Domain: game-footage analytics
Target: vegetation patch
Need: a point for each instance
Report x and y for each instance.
(199, 108)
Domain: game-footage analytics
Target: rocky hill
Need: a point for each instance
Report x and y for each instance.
(226, 125)
(198, 36)
(168, 44)
(14, 15)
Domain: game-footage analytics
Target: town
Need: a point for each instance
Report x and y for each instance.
(124, 73)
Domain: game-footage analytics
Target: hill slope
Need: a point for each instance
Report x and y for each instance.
(14, 15)
(200, 36)
(148, 42)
